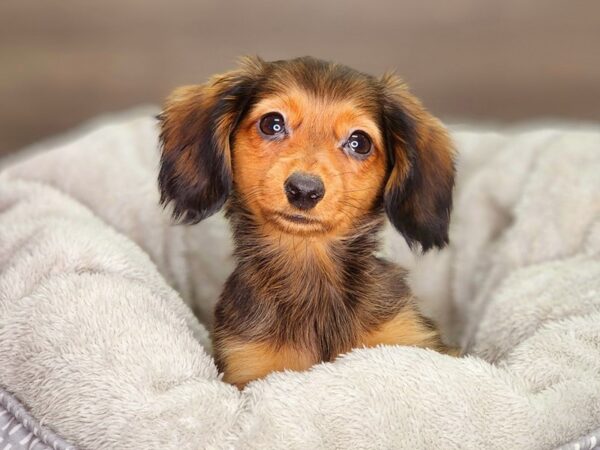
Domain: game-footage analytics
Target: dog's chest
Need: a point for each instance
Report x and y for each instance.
(324, 323)
(315, 318)
(320, 316)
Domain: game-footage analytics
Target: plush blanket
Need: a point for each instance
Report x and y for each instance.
(98, 290)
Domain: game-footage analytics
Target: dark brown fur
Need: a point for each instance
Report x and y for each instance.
(300, 295)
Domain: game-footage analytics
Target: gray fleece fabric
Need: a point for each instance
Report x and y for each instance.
(98, 340)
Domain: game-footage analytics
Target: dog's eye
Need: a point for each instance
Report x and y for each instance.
(359, 142)
(272, 124)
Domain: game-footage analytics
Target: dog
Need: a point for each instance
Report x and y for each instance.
(307, 157)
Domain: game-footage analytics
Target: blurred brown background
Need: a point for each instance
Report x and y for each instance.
(63, 61)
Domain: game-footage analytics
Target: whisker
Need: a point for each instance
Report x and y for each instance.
(305, 249)
(343, 173)
(353, 206)
(346, 214)
(359, 190)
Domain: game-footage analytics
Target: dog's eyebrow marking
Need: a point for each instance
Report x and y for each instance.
(300, 122)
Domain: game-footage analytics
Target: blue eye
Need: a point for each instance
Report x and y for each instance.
(359, 142)
(272, 124)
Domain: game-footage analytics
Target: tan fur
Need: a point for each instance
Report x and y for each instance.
(244, 362)
(406, 328)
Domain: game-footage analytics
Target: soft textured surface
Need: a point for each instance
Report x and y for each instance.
(96, 342)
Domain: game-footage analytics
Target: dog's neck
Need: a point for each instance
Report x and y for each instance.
(304, 265)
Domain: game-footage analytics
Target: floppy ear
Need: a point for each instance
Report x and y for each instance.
(197, 125)
(418, 193)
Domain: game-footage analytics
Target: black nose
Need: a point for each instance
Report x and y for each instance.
(303, 190)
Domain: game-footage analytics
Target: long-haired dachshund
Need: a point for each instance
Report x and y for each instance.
(307, 157)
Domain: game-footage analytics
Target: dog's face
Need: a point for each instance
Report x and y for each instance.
(307, 163)
(310, 148)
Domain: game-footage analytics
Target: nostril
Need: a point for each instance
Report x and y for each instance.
(291, 190)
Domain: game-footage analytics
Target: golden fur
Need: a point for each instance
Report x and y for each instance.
(305, 292)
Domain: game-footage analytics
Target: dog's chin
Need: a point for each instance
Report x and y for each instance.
(297, 224)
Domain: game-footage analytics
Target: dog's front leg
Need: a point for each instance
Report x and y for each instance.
(242, 362)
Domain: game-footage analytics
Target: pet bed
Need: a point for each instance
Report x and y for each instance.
(99, 343)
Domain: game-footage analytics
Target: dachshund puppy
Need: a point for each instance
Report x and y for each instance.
(308, 157)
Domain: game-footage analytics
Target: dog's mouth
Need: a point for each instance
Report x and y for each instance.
(296, 223)
(297, 218)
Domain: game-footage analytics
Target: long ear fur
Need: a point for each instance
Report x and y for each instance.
(418, 193)
(197, 125)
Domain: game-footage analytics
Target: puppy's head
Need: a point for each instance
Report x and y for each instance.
(310, 148)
